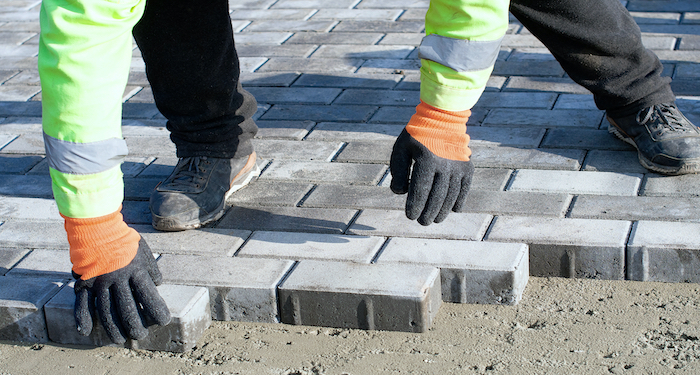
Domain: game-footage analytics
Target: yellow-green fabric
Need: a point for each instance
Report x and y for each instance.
(484, 20)
(85, 51)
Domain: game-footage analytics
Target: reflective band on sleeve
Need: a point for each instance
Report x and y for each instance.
(458, 54)
(84, 158)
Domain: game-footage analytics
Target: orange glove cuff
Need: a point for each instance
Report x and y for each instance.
(100, 245)
(442, 132)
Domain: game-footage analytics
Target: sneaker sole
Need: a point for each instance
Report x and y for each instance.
(686, 168)
(249, 172)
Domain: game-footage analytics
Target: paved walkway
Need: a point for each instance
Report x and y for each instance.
(336, 81)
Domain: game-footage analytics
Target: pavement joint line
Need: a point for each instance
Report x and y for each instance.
(380, 250)
(352, 221)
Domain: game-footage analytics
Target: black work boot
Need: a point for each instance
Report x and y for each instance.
(195, 193)
(666, 141)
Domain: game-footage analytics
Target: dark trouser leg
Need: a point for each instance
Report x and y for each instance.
(599, 45)
(193, 68)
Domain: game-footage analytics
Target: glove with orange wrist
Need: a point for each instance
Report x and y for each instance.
(430, 161)
(116, 276)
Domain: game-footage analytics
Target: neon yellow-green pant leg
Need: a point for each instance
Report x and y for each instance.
(85, 52)
(474, 20)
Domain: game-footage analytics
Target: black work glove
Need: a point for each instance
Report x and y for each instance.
(123, 299)
(436, 185)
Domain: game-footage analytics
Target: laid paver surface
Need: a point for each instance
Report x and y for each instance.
(335, 82)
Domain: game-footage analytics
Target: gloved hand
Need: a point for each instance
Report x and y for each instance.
(116, 276)
(435, 143)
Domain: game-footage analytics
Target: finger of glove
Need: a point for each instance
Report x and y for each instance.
(419, 189)
(150, 262)
(436, 199)
(128, 312)
(147, 295)
(107, 311)
(453, 193)
(462, 197)
(82, 311)
(400, 167)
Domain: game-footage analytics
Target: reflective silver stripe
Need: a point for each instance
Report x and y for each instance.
(458, 54)
(84, 158)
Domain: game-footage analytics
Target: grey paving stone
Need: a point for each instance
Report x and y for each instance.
(367, 81)
(390, 66)
(139, 110)
(613, 161)
(380, 26)
(32, 109)
(44, 263)
(483, 179)
(298, 246)
(516, 203)
(136, 212)
(530, 54)
(663, 251)
(394, 115)
(249, 50)
(139, 188)
(303, 65)
(288, 219)
(357, 14)
(335, 37)
(261, 38)
(290, 130)
(410, 39)
(581, 248)
(33, 234)
(458, 226)
(686, 70)
(189, 309)
(636, 208)
(675, 6)
(691, 18)
(273, 193)
(392, 297)
(565, 85)
(376, 97)
(659, 185)
(351, 132)
(521, 40)
(271, 14)
(576, 182)
(250, 4)
(656, 18)
(20, 125)
(204, 241)
(470, 271)
(296, 150)
(366, 152)
(25, 186)
(268, 79)
(588, 139)
(512, 157)
(315, 4)
(336, 113)
(357, 197)
(21, 307)
(294, 95)
(577, 118)
(30, 143)
(363, 52)
(322, 172)
(393, 4)
(528, 68)
(502, 136)
(516, 100)
(161, 167)
(411, 14)
(18, 163)
(411, 80)
(240, 289)
(10, 257)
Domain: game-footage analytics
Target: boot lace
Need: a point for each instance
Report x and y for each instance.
(190, 173)
(664, 118)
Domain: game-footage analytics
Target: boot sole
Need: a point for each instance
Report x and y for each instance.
(249, 172)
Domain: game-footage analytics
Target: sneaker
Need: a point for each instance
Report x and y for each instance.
(666, 141)
(195, 193)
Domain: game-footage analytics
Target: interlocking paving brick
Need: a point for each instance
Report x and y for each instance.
(290, 25)
(392, 297)
(470, 271)
(271, 193)
(528, 68)
(656, 18)
(18, 163)
(268, 79)
(136, 212)
(516, 203)
(334, 37)
(409, 14)
(366, 152)
(410, 39)
(150, 146)
(139, 188)
(240, 289)
(393, 4)
(31, 109)
(320, 172)
(20, 125)
(5, 139)
(675, 6)
(380, 26)
(291, 130)
(375, 97)
(33, 234)
(516, 100)
(341, 4)
(577, 118)
(545, 84)
(664, 251)
(588, 139)
(566, 247)
(271, 14)
(349, 196)
(458, 226)
(288, 219)
(204, 241)
(576, 182)
(337, 113)
(248, 50)
(9, 257)
(358, 14)
(251, 4)
(483, 179)
(298, 246)
(363, 52)
(636, 208)
(575, 101)
(353, 80)
(501, 136)
(304, 65)
(44, 263)
(261, 38)
(29, 143)
(350, 132)
(390, 66)
(613, 161)
(658, 185)
(189, 310)
(294, 95)
(512, 157)
(296, 150)
(21, 307)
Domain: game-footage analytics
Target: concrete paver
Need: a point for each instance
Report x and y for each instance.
(22, 302)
